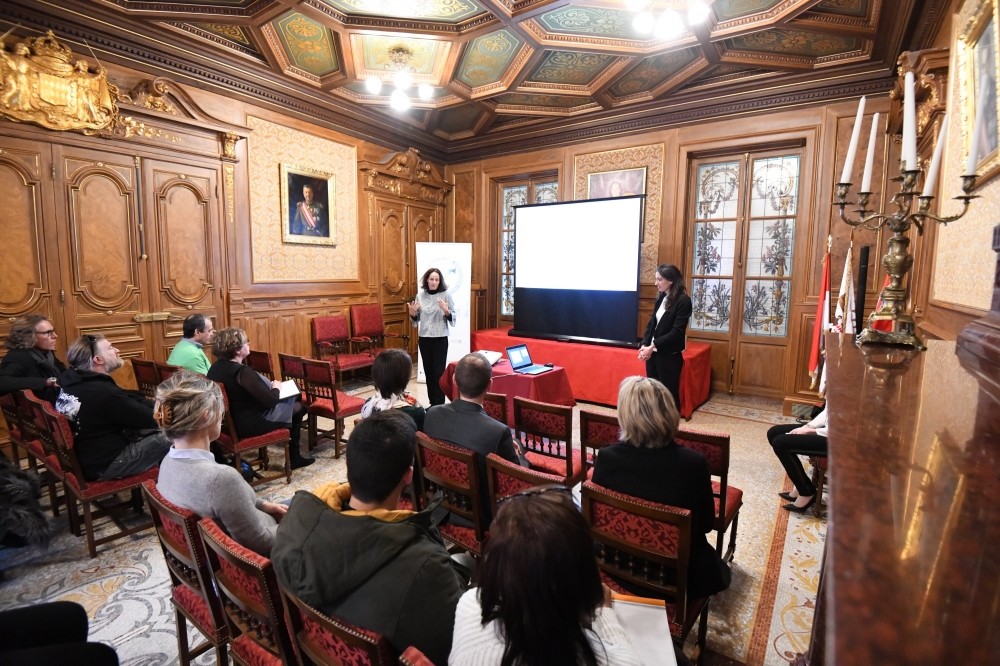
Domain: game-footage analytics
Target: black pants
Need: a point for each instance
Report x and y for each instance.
(667, 369)
(788, 448)
(50, 633)
(434, 352)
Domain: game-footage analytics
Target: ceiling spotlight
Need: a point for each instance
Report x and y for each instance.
(425, 92)
(399, 101)
(402, 80)
(643, 23)
(636, 5)
(373, 84)
(669, 25)
(697, 12)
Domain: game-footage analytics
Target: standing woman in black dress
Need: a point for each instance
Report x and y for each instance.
(663, 341)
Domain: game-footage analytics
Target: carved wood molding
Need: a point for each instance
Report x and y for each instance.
(930, 72)
(406, 175)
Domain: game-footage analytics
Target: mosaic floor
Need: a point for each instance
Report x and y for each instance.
(764, 618)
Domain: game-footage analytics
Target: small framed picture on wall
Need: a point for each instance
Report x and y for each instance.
(308, 200)
(613, 184)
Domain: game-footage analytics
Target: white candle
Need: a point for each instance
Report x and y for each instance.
(977, 128)
(866, 180)
(930, 182)
(852, 149)
(909, 124)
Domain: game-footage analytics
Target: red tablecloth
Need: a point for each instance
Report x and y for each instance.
(594, 371)
(551, 387)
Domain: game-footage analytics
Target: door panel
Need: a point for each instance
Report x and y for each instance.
(760, 369)
(394, 259)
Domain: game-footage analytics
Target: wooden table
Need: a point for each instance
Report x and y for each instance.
(552, 387)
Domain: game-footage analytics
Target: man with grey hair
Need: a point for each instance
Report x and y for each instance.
(114, 432)
(189, 352)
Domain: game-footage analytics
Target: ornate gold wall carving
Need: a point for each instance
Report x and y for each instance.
(271, 144)
(651, 157)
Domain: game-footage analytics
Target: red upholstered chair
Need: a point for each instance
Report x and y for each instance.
(648, 545)
(495, 406)
(333, 343)
(260, 361)
(89, 493)
(506, 478)
(546, 433)
(728, 499)
(413, 657)
(452, 471)
(230, 442)
(249, 592)
(819, 480)
(327, 641)
(25, 435)
(328, 401)
(146, 376)
(293, 368)
(165, 371)
(193, 593)
(369, 330)
(597, 430)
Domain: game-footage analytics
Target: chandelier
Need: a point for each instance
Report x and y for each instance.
(400, 73)
(670, 23)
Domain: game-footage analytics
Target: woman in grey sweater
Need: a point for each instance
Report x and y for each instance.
(432, 311)
(189, 410)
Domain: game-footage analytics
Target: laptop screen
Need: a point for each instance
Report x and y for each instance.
(518, 356)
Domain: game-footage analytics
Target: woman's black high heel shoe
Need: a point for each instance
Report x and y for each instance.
(788, 497)
(800, 509)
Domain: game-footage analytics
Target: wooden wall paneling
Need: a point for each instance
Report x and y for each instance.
(184, 242)
(761, 367)
(30, 275)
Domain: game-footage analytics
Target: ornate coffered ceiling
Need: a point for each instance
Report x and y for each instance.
(503, 74)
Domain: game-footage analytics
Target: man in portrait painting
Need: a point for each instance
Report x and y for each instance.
(310, 217)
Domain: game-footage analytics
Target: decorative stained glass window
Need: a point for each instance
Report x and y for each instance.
(511, 195)
(715, 234)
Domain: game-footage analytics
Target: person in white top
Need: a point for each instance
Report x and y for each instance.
(791, 441)
(541, 601)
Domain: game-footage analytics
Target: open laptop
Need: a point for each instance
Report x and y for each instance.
(520, 361)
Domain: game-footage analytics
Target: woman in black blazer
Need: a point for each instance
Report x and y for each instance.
(663, 341)
(649, 464)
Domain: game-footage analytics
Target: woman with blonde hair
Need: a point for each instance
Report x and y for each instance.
(648, 463)
(189, 410)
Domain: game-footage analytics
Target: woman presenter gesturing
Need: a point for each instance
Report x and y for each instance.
(432, 311)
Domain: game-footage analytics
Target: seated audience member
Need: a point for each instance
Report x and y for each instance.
(189, 409)
(541, 600)
(53, 632)
(31, 362)
(391, 373)
(791, 441)
(189, 352)
(114, 430)
(463, 422)
(253, 399)
(648, 464)
(349, 552)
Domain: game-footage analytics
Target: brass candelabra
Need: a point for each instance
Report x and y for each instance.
(891, 323)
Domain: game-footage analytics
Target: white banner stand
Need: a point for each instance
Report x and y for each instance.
(454, 260)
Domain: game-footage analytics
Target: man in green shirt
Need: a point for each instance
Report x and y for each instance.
(188, 353)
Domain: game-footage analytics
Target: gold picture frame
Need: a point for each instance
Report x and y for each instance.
(979, 56)
(308, 199)
(618, 183)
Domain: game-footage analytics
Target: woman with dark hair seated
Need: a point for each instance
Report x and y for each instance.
(541, 602)
(788, 443)
(391, 373)
(648, 464)
(253, 399)
(189, 411)
(31, 362)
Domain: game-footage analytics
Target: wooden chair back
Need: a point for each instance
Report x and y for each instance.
(453, 471)
(597, 430)
(328, 401)
(165, 371)
(250, 597)
(293, 368)
(506, 478)
(260, 361)
(495, 406)
(231, 442)
(327, 641)
(546, 433)
(146, 376)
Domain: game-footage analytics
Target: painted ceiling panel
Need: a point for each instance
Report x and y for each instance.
(857, 8)
(593, 21)
(308, 44)
(487, 58)
(652, 71)
(570, 67)
(231, 36)
(731, 9)
(459, 119)
(553, 101)
(447, 11)
(386, 53)
(782, 41)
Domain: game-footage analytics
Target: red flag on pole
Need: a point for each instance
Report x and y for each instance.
(881, 324)
(822, 322)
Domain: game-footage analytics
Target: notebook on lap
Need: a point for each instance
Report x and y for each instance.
(520, 361)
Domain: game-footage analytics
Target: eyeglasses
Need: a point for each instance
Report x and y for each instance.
(51, 333)
(537, 490)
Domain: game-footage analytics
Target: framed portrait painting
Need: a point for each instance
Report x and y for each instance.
(979, 66)
(307, 204)
(613, 184)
